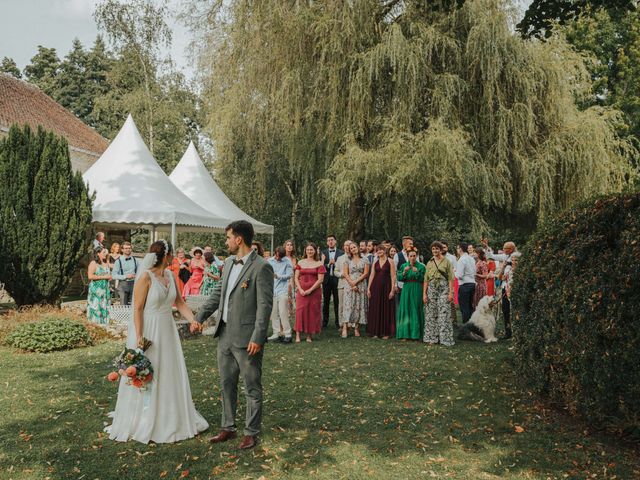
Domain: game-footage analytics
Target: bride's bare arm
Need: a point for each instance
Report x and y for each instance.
(140, 291)
(185, 311)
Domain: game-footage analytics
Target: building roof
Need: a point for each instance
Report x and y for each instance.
(21, 102)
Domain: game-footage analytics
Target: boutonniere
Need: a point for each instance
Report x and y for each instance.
(245, 284)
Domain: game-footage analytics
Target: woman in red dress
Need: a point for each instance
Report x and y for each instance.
(309, 273)
(381, 320)
(197, 264)
(180, 268)
(482, 273)
(491, 279)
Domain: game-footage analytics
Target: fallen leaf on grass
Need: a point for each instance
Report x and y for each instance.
(519, 429)
(184, 474)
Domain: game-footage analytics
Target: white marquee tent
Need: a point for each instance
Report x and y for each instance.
(132, 191)
(195, 181)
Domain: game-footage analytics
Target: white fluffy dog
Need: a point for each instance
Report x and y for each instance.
(481, 326)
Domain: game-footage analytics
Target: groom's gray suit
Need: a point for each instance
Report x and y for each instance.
(247, 320)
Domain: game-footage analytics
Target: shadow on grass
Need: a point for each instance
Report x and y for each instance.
(356, 408)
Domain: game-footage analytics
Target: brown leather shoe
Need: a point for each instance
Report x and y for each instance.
(248, 442)
(223, 436)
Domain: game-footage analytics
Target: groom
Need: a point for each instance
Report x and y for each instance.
(244, 299)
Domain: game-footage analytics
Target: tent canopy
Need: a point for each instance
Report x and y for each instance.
(193, 179)
(132, 190)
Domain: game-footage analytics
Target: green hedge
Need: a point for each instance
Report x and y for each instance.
(49, 335)
(576, 300)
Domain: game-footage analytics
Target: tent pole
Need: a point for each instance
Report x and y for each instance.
(173, 235)
(272, 244)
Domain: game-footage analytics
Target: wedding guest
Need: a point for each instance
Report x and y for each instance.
(267, 254)
(363, 247)
(381, 316)
(482, 274)
(290, 250)
(330, 282)
(372, 247)
(309, 275)
(402, 257)
(437, 296)
(282, 273)
(114, 253)
(338, 268)
(99, 296)
(491, 278)
(410, 314)
(506, 260)
(180, 268)
(124, 271)
(393, 251)
(466, 275)
(98, 242)
(355, 272)
(258, 247)
(454, 263)
(192, 287)
(212, 274)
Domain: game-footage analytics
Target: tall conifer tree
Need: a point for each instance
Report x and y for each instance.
(45, 216)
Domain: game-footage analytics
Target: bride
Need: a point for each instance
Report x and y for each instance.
(163, 413)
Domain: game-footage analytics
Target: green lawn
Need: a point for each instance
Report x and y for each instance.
(335, 409)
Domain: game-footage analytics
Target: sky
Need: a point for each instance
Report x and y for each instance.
(25, 24)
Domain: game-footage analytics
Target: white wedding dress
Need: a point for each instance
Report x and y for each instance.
(164, 413)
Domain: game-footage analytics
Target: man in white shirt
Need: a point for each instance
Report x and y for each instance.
(98, 242)
(466, 275)
(505, 259)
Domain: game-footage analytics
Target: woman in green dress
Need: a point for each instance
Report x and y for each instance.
(99, 296)
(211, 274)
(410, 314)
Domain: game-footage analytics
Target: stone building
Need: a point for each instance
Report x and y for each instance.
(23, 103)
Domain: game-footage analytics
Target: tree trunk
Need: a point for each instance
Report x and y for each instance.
(356, 224)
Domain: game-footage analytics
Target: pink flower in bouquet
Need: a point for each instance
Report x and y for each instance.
(113, 376)
(148, 378)
(136, 382)
(131, 371)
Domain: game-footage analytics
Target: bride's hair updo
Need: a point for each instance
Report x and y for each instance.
(161, 248)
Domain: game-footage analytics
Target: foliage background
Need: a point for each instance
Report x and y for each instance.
(578, 342)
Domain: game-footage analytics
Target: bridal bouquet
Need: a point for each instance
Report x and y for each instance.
(133, 365)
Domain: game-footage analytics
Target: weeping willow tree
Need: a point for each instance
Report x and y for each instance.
(328, 113)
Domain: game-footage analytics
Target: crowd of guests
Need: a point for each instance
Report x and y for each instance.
(376, 289)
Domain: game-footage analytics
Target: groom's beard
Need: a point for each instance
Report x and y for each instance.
(233, 249)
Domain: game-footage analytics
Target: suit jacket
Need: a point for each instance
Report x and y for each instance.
(250, 302)
(325, 254)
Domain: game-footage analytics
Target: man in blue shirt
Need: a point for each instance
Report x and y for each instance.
(124, 270)
(282, 273)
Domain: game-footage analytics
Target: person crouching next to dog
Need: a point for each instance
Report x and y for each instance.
(504, 273)
(437, 296)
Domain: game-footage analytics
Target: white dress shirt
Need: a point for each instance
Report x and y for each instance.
(233, 278)
(466, 269)
(452, 260)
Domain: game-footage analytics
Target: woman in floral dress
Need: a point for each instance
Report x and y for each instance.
(355, 273)
(99, 296)
(211, 274)
(482, 273)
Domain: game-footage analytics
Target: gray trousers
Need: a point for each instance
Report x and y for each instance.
(233, 362)
(125, 291)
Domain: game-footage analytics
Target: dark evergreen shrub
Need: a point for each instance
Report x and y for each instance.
(45, 216)
(576, 300)
(49, 335)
